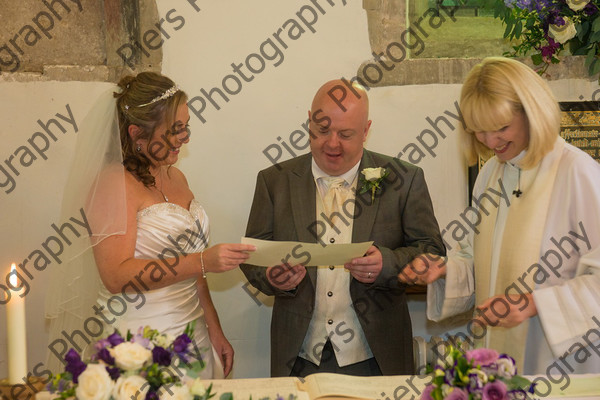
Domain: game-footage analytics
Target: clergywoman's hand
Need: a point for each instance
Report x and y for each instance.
(423, 270)
(226, 256)
(506, 311)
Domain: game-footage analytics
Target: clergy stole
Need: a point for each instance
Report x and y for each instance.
(520, 246)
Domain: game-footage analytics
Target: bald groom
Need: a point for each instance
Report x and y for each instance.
(353, 318)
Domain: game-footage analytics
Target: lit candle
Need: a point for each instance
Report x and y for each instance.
(15, 318)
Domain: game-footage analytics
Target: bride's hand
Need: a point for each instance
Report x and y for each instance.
(223, 348)
(226, 256)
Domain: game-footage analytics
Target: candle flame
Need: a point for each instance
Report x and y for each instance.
(13, 275)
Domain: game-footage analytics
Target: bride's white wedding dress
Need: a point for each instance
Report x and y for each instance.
(165, 231)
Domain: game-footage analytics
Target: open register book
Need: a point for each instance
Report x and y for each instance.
(324, 386)
(329, 386)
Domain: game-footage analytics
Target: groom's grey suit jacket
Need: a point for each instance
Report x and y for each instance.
(402, 225)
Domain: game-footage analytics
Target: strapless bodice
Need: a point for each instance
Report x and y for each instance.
(165, 231)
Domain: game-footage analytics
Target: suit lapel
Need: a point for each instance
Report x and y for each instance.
(302, 191)
(364, 211)
(303, 200)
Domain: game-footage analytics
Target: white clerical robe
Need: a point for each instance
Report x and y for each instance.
(568, 300)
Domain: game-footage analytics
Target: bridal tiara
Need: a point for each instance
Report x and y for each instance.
(168, 93)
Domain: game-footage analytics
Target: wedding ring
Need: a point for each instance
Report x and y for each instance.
(369, 275)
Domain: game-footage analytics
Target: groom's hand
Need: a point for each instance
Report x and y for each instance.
(285, 277)
(366, 269)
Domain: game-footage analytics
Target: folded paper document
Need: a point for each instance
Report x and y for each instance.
(269, 253)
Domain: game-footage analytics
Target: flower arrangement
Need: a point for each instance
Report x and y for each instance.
(476, 374)
(545, 27)
(371, 180)
(146, 365)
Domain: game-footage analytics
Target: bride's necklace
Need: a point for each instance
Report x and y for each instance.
(161, 186)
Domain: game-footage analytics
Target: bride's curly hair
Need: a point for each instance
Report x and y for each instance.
(136, 91)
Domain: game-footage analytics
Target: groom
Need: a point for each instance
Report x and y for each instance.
(350, 319)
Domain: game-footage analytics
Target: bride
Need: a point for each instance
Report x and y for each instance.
(150, 234)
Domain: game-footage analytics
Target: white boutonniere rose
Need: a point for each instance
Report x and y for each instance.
(131, 356)
(562, 33)
(132, 387)
(372, 180)
(94, 383)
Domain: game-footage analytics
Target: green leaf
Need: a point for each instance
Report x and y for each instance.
(226, 396)
(518, 382)
(554, 60)
(537, 59)
(590, 56)
(594, 37)
(518, 29)
(596, 25)
(585, 28)
(508, 30)
(595, 67)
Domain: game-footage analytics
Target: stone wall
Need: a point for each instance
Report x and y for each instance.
(82, 40)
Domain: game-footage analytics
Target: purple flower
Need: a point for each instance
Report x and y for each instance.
(151, 395)
(181, 342)
(278, 397)
(483, 357)
(427, 392)
(548, 51)
(113, 372)
(161, 356)
(74, 364)
(115, 339)
(524, 4)
(141, 340)
(105, 356)
(475, 383)
(590, 9)
(494, 391)
(102, 343)
(457, 394)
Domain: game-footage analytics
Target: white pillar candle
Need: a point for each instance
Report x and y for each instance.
(15, 318)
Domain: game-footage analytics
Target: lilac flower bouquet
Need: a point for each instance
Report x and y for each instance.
(476, 374)
(145, 366)
(542, 29)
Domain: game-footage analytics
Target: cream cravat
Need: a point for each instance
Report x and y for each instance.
(334, 198)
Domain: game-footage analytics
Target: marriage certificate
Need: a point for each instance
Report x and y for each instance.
(269, 253)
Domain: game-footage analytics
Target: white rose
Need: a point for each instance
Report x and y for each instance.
(506, 367)
(132, 387)
(94, 383)
(481, 376)
(197, 388)
(175, 393)
(446, 389)
(564, 33)
(372, 174)
(130, 356)
(577, 5)
(164, 341)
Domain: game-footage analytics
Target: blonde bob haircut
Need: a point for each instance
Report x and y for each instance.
(493, 92)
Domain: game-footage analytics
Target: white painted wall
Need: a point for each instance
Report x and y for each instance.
(226, 152)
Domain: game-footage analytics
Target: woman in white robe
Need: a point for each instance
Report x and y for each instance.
(531, 263)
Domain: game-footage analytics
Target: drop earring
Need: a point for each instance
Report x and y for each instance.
(138, 148)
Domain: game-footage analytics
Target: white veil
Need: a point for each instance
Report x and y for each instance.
(95, 190)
